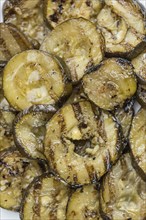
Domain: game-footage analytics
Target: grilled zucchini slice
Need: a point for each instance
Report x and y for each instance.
(58, 11)
(138, 141)
(16, 173)
(12, 41)
(6, 131)
(118, 21)
(34, 77)
(29, 130)
(81, 144)
(139, 64)
(46, 198)
(123, 192)
(77, 95)
(79, 43)
(111, 84)
(84, 204)
(141, 95)
(27, 15)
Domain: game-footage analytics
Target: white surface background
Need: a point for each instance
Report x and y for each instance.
(4, 214)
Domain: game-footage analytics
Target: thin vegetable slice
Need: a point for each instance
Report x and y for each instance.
(27, 15)
(12, 41)
(81, 143)
(58, 11)
(79, 43)
(29, 130)
(139, 64)
(16, 173)
(111, 84)
(34, 77)
(141, 95)
(123, 192)
(138, 141)
(46, 198)
(84, 204)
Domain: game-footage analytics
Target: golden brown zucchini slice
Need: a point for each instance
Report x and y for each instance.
(12, 41)
(123, 192)
(139, 64)
(46, 198)
(6, 131)
(79, 43)
(111, 84)
(58, 11)
(29, 130)
(34, 77)
(16, 173)
(138, 141)
(123, 26)
(81, 144)
(141, 95)
(27, 15)
(84, 204)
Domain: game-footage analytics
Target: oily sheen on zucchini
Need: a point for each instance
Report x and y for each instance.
(46, 198)
(81, 143)
(34, 77)
(138, 141)
(111, 84)
(84, 204)
(58, 11)
(29, 129)
(16, 173)
(27, 15)
(123, 193)
(79, 43)
(123, 26)
(141, 95)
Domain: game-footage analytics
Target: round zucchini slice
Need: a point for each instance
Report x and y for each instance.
(79, 43)
(12, 41)
(27, 15)
(139, 64)
(16, 173)
(46, 198)
(34, 77)
(111, 84)
(123, 37)
(58, 11)
(123, 192)
(84, 204)
(29, 130)
(138, 141)
(141, 95)
(81, 143)
(6, 131)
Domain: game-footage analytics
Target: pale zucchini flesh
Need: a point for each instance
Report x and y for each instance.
(123, 192)
(34, 77)
(79, 43)
(111, 84)
(46, 198)
(81, 144)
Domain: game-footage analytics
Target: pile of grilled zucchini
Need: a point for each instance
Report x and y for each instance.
(72, 134)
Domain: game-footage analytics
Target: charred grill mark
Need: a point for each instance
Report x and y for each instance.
(54, 17)
(4, 49)
(79, 115)
(91, 172)
(107, 161)
(36, 198)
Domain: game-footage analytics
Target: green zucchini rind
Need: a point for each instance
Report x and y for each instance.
(35, 77)
(79, 43)
(12, 41)
(141, 95)
(16, 173)
(82, 143)
(45, 198)
(56, 12)
(29, 130)
(111, 84)
(137, 141)
(118, 22)
(123, 192)
(84, 204)
(27, 15)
